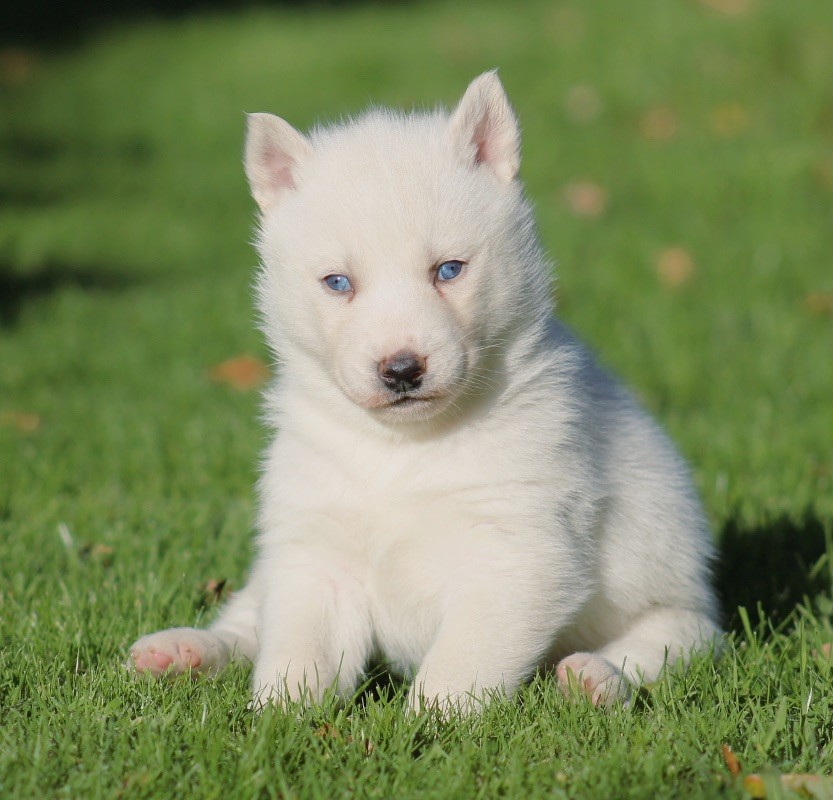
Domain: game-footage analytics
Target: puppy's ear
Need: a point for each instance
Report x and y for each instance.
(486, 129)
(274, 149)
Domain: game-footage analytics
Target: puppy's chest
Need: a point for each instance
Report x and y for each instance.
(419, 501)
(396, 554)
(407, 530)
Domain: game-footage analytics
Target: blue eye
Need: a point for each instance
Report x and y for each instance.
(449, 270)
(338, 283)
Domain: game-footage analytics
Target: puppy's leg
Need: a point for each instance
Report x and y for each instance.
(315, 634)
(177, 650)
(660, 636)
(493, 637)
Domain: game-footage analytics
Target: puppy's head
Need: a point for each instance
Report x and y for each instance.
(398, 252)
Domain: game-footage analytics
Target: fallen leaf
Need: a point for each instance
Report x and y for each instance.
(566, 24)
(804, 784)
(585, 198)
(243, 373)
(729, 120)
(582, 103)
(754, 786)
(819, 303)
(213, 592)
(102, 553)
(797, 782)
(825, 651)
(16, 65)
(675, 266)
(732, 8)
(136, 779)
(821, 470)
(25, 423)
(731, 760)
(214, 589)
(329, 731)
(456, 40)
(659, 124)
(823, 173)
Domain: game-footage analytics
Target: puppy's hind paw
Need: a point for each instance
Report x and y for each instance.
(177, 651)
(590, 675)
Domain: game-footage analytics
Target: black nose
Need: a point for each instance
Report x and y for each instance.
(402, 372)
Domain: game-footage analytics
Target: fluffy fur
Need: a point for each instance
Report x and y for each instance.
(511, 508)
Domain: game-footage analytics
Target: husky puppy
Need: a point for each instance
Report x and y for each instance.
(454, 485)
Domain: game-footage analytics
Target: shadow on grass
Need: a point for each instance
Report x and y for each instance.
(28, 198)
(34, 160)
(775, 566)
(17, 289)
(29, 147)
(54, 23)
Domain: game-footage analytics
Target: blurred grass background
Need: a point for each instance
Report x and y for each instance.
(680, 157)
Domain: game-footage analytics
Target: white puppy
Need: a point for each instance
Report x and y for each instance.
(455, 486)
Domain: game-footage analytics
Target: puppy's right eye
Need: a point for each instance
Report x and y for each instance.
(449, 270)
(338, 283)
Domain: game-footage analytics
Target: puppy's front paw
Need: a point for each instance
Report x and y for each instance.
(594, 677)
(176, 651)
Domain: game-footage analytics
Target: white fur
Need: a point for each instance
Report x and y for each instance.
(521, 510)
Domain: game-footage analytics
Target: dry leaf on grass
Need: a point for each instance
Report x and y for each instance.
(805, 785)
(329, 731)
(213, 592)
(585, 198)
(675, 266)
(582, 103)
(825, 651)
(659, 124)
(243, 373)
(731, 760)
(819, 303)
(731, 8)
(25, 423)
(16, 65)
(566, 24)
(823, 173)
(729, 120)
(101, 553)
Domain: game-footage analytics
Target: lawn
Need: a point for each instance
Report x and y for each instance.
(680, 157)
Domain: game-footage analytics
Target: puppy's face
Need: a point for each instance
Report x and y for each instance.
(392, 248)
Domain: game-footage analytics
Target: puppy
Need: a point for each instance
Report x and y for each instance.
(454, 485)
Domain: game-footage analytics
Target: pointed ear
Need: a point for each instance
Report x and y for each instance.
(273, 151)
(486, 129)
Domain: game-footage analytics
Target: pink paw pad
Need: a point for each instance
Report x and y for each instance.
(189, 658)
(159, 662)
(151, 660)
(177, 651)
(592, 676)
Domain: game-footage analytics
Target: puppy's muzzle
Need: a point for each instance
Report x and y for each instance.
(402, 372)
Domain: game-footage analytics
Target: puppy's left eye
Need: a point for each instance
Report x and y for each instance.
(338, 283)
(449, 270)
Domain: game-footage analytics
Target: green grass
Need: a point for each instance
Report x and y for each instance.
(125, 275)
